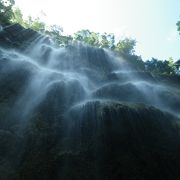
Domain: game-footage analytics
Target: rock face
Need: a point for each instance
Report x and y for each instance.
(82, 113)
(15, 36)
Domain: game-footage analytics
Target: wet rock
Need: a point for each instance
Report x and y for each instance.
(73, 113)
(15, 36)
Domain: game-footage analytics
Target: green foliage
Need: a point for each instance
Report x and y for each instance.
(105, 40)
(156, 66)
(35, 24)
(178, 26)
(177, 66)
(55, 32)
(17, 17)
(126, 46)
(135, 61)
(87, 37)
(6, 12)
(95, 39)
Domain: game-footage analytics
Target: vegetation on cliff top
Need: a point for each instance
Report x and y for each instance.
(125, 47)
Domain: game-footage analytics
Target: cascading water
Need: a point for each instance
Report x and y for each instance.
(84, 113)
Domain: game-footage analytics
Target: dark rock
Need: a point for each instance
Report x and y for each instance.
(122, 92)
(15, 36)
(72, 113)
(123, 141)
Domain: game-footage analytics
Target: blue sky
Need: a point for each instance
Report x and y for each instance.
(151, 22)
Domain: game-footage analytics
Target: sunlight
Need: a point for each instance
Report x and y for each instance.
(89, 89)
(130, 18)
(76, 15)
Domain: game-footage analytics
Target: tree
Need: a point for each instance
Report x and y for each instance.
(17, 17)
(156, 66)
(111, 39)
(6, 11)
(178, 26)
(126, 46)
(95, 39)
(171, 66)
(177, 66)
(87, 37)
(55, 32)
(104, 43)
(35, 24)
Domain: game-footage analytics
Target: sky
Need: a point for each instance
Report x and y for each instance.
(151, 22)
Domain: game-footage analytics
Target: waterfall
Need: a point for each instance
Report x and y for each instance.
(94, 73)
(80, 112)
